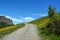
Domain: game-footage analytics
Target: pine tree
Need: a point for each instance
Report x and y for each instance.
(51, 11)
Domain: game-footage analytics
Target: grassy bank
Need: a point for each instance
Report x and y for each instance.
(8, 30)
(42, 23)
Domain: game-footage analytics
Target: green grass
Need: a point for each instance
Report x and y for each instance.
(42, 23)
(45, 36)
(10, 29)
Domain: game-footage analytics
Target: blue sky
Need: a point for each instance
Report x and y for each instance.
(26, 10)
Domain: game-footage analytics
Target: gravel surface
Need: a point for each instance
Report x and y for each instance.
(29, 32)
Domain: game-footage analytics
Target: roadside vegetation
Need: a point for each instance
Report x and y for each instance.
(49, 26)
(7, 30)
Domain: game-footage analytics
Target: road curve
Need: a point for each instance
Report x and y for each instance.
(29, 32)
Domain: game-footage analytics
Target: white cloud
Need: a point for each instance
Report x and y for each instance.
(28, 18)
(19, 20)
(13, 19)
(40, 14)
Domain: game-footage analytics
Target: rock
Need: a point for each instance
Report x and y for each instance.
(6, 20)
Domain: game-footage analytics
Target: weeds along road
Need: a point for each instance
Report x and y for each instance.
(29, 32)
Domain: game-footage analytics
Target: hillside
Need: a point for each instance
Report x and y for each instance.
(42, 23)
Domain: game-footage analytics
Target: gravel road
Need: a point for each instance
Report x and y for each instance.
(29, 32)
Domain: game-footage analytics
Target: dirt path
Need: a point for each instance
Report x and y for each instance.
(29, 32)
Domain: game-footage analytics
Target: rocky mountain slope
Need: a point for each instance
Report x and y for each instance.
(5, 21)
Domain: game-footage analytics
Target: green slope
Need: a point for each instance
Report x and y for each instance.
(42, 23)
